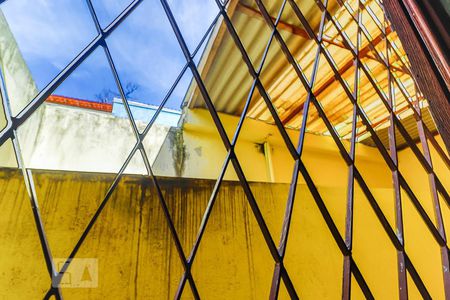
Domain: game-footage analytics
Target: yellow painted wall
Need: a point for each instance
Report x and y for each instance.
(138, 260)
(205, 153)
(419, 180)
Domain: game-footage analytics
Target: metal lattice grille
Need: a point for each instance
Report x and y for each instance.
(359, 127)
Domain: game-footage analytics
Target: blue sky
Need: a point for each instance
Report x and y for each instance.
(51, 33)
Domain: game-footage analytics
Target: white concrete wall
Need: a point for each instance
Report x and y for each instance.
(20, 87)
(69, 138)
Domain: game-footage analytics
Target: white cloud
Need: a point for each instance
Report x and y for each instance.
(194, 17)
(52, 31)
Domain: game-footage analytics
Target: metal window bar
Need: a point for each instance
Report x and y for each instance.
(364, 118)
(293, 186)
(370, 197)
(401, 128)
(431, 227)
(230, 148)
(433, 181)
(29, 184)
(313, 189)
(402, 279)
(347, 279)
(233, 143)
(138, 146)
(384, 30)
(416, 203)
(436, 202)
(345, 245)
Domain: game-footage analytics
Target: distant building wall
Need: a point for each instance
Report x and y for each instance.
(144, 112)
(77, 139)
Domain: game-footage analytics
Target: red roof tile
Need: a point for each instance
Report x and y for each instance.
(107, 107)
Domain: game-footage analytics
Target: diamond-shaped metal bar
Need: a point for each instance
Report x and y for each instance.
(347, 274)
(317, 197)
(238, 169)
(435, 184)
(378, 211)
(390, 157)
(402, 279)
(384, 31)
(385, 101)
(363, 117)
(233, 143)
(138, 146)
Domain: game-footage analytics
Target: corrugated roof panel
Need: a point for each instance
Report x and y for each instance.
(228, 80)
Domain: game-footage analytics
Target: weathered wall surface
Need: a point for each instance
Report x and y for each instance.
(67, 138)
(137, 258)
(82, 140)
(17, 76)
(21, 89)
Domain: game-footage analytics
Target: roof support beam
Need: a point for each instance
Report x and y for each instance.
(363, 52)
(299, 31)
